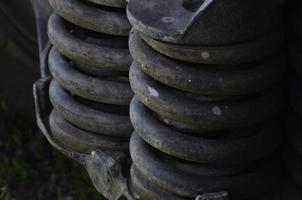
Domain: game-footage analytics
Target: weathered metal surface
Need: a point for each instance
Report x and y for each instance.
(80, 140)
(106, 170)
(208, 115)
(100, 120)
(161, 173)
(207, 79)
(101, 90)
(236, 53)
(84, 52)
(110, 3)
(205, 22)
(207, 82)
(43, 108)
(87, 16)
(105, 167)
(83, 110)
(224, 151)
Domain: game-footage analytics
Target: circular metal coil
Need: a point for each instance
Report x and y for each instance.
(87, 16)
(254, 182)
(87, 117)
(230, 54)
(205, 22)
(83, 52)
(207, 115)
(95, 89)
(111, 3)
(212, 80)
(223, 151)
(145, 189)
(80, 140)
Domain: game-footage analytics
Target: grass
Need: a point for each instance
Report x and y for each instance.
(31, 169)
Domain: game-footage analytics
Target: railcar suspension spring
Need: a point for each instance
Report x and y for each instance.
(90, 91)
(207, 97)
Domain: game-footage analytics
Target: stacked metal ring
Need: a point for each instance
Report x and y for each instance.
(293, 154)
(89, 63)
(208, 95)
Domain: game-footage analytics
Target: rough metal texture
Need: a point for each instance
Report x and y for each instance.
(206, 78)
(205, 22)
(82, 101)
(87, 16)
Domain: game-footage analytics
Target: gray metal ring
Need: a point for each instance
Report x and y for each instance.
(88, 118)
(245, 52)
(221, 151)
(78, 50)
(88, 17)
(206, 22)
(79, 140)
(255, 182)
(95, 89)
(111, 3)
(206, 79)
(206, 115)
(145, 189)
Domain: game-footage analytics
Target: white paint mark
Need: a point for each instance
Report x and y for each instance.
(190, 81)
(152, 92)
(168, 19)
(216, 110)
(205, 55)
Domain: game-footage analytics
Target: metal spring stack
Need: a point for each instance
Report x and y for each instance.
(207, 78)
(293, 155)
(89, 63)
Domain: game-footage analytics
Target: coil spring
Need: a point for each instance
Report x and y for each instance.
(202, 123)
(89, 63)
(294, 152)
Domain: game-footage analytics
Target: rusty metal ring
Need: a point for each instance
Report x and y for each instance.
(221, 151)
(88, 17)
(95, 89)
(206, 79)
(206, 115)
(82, 141)
(88, 118)
(232, 54)
(253, 183)
(78, 50)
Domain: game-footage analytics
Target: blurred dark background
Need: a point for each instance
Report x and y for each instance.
(29, 167)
